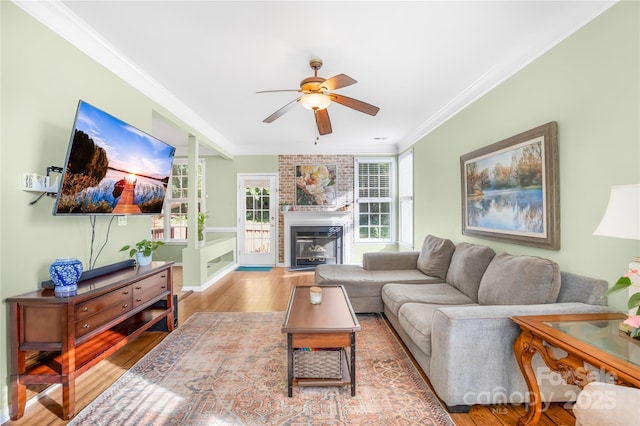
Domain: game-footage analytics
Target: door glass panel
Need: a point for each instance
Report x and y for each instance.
(257, 227)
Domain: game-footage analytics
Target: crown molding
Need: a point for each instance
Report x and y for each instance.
(494, 77)
(59, 19)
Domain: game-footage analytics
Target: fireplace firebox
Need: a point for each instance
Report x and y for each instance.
(315, 245)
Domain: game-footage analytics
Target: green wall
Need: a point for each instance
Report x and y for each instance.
(42, 77)
(220, 187)
(590, 85)
(222, 184)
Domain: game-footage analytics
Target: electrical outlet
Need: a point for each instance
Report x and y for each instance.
(122, 221)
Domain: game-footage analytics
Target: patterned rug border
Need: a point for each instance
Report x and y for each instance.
(190, 332)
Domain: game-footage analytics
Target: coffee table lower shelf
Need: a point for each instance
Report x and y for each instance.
(348, 357)
(344, 381)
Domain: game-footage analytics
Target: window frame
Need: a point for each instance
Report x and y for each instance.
(360, 200)
(405, 198)
(170, 200)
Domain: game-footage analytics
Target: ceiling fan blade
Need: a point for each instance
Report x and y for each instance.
(323, 122)
(355, 104)
(279, 113)
(282, 90)
(337, 82)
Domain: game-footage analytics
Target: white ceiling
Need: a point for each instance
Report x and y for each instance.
(420, 62)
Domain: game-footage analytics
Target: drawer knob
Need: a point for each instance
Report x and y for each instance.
(85, 325)
(163, 276)
(163, 286)
(138, 300)
(126, 305)
(138, 287)
(125, 292)
(85, 309)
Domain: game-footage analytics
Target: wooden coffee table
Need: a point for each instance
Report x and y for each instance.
(330, 324)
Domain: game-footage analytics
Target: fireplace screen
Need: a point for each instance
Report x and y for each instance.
(315, 245)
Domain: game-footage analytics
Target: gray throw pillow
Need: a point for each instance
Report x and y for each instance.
(468, 264)
(519, 280)
(435, 256)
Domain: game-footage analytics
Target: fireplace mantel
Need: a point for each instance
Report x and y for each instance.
(318, 218)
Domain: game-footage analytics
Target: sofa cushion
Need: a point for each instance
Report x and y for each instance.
(395, 295)
(342, 274)
(416, 320)
(519, 280)
(468, 264)
(435, 256)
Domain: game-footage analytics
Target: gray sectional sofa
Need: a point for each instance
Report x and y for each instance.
(451, 305)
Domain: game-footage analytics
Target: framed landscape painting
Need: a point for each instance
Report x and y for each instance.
(316, 185)
(510, 189)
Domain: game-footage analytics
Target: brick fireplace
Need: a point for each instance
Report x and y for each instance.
(287, 193)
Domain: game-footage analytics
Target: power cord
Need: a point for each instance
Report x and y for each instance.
(92, 220)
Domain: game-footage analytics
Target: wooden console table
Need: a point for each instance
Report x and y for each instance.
(590, 338)
(72, 334)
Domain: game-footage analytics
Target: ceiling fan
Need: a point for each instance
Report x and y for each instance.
(318, 94)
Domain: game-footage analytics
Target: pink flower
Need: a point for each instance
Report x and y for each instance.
(630, 273)
(633, 321)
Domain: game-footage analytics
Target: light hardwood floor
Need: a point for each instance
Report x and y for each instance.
(237, 292)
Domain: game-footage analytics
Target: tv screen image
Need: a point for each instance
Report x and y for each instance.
(112, 168)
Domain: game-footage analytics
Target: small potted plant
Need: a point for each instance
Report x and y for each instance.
(202, 217)
(284, 205)
(142, 251)
(631, 325)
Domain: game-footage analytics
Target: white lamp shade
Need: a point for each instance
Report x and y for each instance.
(622, 217)
(315, 101)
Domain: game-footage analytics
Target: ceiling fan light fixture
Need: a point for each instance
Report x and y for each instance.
(315, 101)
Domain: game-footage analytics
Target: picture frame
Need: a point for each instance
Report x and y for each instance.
(316, 185)
(510, 189)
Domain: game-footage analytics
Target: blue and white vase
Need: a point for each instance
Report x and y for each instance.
(65, 273)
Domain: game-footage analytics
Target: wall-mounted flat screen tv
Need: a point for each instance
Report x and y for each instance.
(112, 168)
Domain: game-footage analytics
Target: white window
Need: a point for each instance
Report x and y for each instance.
(405, 198)
(173, 226)
(374, 199)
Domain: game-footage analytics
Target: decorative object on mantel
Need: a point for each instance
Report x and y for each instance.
(622, 220)
(143, 251)
(284, 205)
(65, 273)
(316, 185)
(510, 189)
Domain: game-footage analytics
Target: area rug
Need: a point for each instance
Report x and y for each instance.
(226, 368)
(254, 268)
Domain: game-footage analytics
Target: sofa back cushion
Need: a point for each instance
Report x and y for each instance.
(435, 256)
(468, 264)
(519, 280)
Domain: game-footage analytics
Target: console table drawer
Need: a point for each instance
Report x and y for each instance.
(93, 306)
(91, 323)
(148, 288)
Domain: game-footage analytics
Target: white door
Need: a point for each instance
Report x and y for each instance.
(257, 218)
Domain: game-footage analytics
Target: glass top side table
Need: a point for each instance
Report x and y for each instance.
(587, 338)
